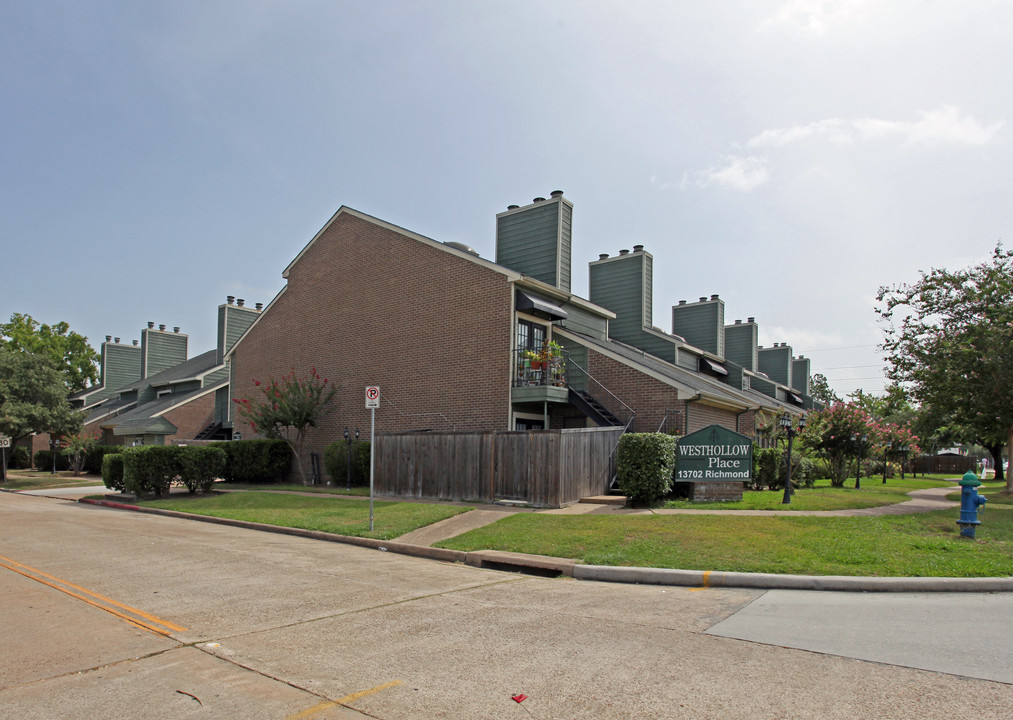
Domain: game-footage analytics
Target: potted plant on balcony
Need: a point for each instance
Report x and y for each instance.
(553, 353)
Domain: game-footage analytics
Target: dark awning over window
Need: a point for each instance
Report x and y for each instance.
(792, 397)
(535, 304)
(707, 365)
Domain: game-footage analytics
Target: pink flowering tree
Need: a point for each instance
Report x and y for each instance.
(830, 432)
(288, 408)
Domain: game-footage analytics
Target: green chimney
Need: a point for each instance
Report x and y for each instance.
(701, 324)
(741, 343)
(535, 239)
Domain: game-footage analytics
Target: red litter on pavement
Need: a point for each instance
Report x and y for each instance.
(519, 698)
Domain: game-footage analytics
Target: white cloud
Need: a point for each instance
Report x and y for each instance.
(735, 173)
(947, 125)
(814, 18)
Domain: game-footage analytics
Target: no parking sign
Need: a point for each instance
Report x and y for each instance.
(372, 397)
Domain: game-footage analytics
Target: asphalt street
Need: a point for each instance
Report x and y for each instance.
(115, 614)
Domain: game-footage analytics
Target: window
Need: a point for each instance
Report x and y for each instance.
(530, 336)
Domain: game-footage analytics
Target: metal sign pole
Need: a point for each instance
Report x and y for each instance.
(372, 403)
(372, 450)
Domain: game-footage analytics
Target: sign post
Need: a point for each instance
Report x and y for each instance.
(372, 403)
(5, 442)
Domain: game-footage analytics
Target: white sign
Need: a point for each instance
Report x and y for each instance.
(372, 397)
(5, 442)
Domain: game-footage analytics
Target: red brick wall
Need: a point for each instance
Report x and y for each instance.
(369, 306)
(191, 417)
(651, 398)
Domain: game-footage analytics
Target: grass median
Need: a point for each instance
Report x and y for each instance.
(920, 545)
(337, 515)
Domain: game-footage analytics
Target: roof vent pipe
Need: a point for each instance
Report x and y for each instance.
(240, 302)
(738, 322)
(638, 248)
(260, 306)
(556, 193)
(118, 340)
(703, 299)
(150, 324)
(602, 256)
(714, 296)
(538, 199)
(135, 343)
(175, 328)
(161, 327)
(682, 302)
(230, 299)
(108, 338)
(750, 319)
(512, 207)
(624, 252)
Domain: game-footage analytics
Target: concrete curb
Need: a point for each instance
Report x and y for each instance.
(766, 581)
(555, 567)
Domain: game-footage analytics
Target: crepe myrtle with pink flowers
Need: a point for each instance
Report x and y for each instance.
(832, 432)
(288, 408)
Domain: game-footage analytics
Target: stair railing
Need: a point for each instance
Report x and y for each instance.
(582, 379)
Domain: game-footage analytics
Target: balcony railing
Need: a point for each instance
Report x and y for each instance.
(547, 367)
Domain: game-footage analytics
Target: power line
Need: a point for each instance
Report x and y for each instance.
(852, 367)
(849, 347)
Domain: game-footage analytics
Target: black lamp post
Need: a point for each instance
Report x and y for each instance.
(860, 440)
(785, 422)
(903, 450)
(348, 457)
(52, 452)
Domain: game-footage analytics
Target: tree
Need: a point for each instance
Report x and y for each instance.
(829, 433)
(71, 353)
(288, 409)
(33, 397)
(79, 445)
(820, 390)
(948, 339)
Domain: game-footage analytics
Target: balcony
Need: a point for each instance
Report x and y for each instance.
(540, 376)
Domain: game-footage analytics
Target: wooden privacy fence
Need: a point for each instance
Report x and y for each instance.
(545, 468)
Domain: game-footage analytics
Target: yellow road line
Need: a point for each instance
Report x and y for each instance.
(94, 599)
(341, 701)
(706, 582)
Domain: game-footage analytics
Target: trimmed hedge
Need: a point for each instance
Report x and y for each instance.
(112, 471)
(19, 458)
(336, 462)
(256, 461)
(93, 460)
(44, 460)
(154, 469)
(645, 463)
(200, 466)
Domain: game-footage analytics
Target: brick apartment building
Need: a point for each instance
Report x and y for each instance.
(458, 342)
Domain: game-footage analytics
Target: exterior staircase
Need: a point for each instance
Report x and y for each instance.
(586, 403)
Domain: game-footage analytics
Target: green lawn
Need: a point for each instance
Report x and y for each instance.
(873, 493)
(320, 489)
(326, 514)
(905, 545)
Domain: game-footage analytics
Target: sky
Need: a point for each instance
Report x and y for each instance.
(791, 156)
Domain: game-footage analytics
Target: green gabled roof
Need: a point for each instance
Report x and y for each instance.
(145, 426)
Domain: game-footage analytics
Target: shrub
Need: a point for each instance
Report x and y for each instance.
(769, 469)
(256, 461)
(151, 469)
(768, 473)
(19, 458)
(112, 471)
(93, 463)
(200, 467)
(44, 460)
(645, 463)
(336, 462)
